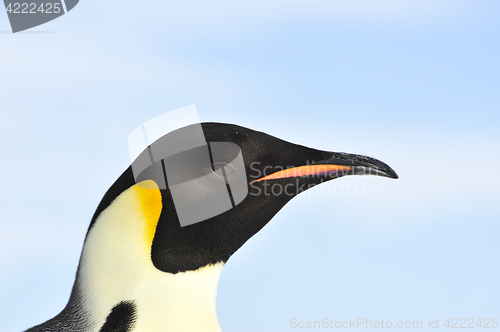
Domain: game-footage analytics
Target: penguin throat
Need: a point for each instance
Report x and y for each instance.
(116, 267)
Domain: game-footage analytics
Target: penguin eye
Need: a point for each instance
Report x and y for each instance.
(223, 169)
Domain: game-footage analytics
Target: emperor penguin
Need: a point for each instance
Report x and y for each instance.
(142, 270)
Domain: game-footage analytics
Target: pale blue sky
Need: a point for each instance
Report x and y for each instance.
(415, 84)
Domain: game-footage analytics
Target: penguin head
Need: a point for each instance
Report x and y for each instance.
(247, 175)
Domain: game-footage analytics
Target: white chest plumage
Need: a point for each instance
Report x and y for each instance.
(116, 266)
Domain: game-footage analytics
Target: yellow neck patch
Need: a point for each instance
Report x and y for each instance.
(149, 197)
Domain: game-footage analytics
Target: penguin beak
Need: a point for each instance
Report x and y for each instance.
(360, 165)
(338, 165)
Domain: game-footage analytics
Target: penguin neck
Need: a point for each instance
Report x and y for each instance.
(116, 266)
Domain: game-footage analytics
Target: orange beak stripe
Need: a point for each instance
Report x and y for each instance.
(304, 171)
